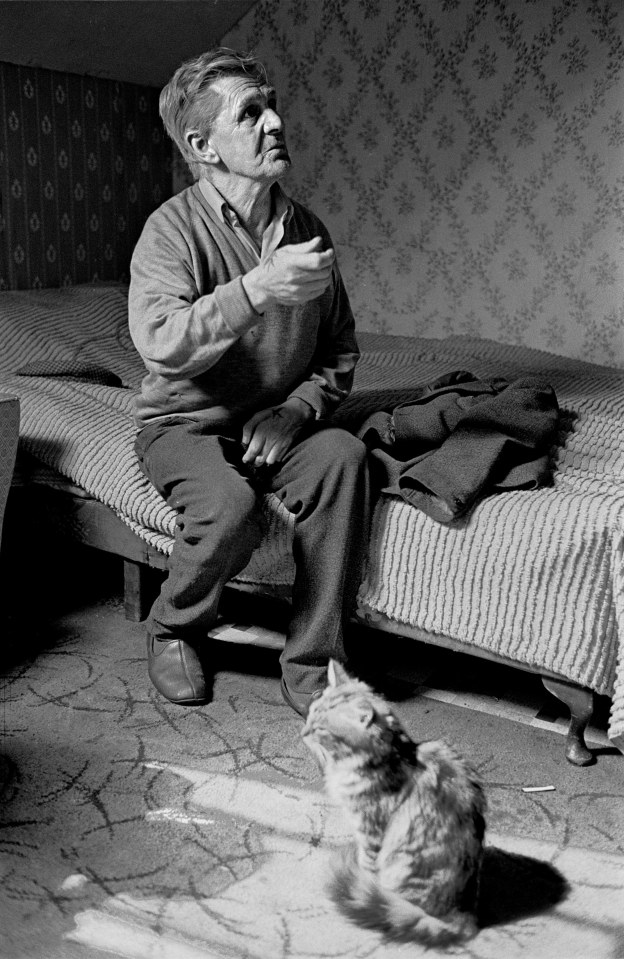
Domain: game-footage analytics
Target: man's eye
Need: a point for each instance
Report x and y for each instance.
(252, 112)
(273, 104)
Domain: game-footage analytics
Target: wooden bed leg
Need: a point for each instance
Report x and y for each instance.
(580, 702)
(137, 592)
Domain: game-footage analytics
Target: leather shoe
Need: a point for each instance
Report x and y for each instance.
(176, 671)
(300, 702)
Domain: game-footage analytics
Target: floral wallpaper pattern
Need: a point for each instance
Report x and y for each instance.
(83, 161)
(467, 157)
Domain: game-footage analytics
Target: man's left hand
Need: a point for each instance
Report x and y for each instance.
(269, 434)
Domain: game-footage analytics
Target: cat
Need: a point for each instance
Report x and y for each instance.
(417, 812)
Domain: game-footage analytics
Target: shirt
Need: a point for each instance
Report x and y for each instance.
(272, 235)
(208, 354)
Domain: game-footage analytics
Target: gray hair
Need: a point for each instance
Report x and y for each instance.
(189, 101)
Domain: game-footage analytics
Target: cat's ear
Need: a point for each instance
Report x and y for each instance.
(336, 674)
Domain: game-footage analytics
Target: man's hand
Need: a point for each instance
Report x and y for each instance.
(292, 274)
(269, 434)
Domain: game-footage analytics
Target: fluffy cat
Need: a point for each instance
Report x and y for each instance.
(417, 812)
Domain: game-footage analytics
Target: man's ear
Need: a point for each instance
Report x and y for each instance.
(202, 147)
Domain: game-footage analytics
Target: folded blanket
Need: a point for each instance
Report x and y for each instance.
(463, 438)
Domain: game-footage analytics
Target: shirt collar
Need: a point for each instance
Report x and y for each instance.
(281, 204)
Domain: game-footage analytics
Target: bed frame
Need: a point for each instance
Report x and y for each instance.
(71, 514)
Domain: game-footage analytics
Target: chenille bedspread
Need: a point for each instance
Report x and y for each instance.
(534, 576)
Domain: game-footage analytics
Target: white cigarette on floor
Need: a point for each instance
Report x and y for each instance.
(175, 815)
(538, 789)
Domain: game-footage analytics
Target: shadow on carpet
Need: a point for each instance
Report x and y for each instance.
(514, 887)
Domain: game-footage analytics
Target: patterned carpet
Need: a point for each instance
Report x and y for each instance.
(134, 828)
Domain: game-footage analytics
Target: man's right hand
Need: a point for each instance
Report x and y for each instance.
(292, 274)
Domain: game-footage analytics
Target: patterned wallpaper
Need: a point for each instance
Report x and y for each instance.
(467, 157)
(83, 161)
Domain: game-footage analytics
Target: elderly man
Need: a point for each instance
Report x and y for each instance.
(238, 310)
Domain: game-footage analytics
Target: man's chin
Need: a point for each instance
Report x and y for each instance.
(274, 167)
(282, 157)
(280, 165)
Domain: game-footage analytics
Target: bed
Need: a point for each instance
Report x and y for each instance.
(529, 578)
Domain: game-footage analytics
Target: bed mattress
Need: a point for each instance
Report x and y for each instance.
(534, 576)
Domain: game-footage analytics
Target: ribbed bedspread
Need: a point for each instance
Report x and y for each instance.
(536, 577)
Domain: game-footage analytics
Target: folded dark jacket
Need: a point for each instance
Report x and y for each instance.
(463, 438)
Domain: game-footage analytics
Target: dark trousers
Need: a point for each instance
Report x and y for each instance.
(323, 481)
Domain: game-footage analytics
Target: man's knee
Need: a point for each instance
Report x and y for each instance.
(342, 450)
(226, 516)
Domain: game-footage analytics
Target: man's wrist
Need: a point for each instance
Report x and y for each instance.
(296, 402)
(258, 298)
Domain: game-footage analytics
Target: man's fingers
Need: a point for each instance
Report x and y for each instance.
(276, 453)
(271, 434)
(319, 280)
(263, 451)
(308, 256)
(309, 246)
(254, 450)
(315, 261)
(307, 274)
(250, 425)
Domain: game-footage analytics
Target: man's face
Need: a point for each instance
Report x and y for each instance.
(248, 133)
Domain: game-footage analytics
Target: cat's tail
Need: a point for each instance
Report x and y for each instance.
(363, 900)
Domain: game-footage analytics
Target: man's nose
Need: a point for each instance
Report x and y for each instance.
(272, 120)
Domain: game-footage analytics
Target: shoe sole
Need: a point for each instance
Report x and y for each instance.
(186, 702)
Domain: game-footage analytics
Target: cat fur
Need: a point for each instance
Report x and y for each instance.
(417, 814)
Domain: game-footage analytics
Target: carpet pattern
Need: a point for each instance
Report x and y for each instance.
(134, 828)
